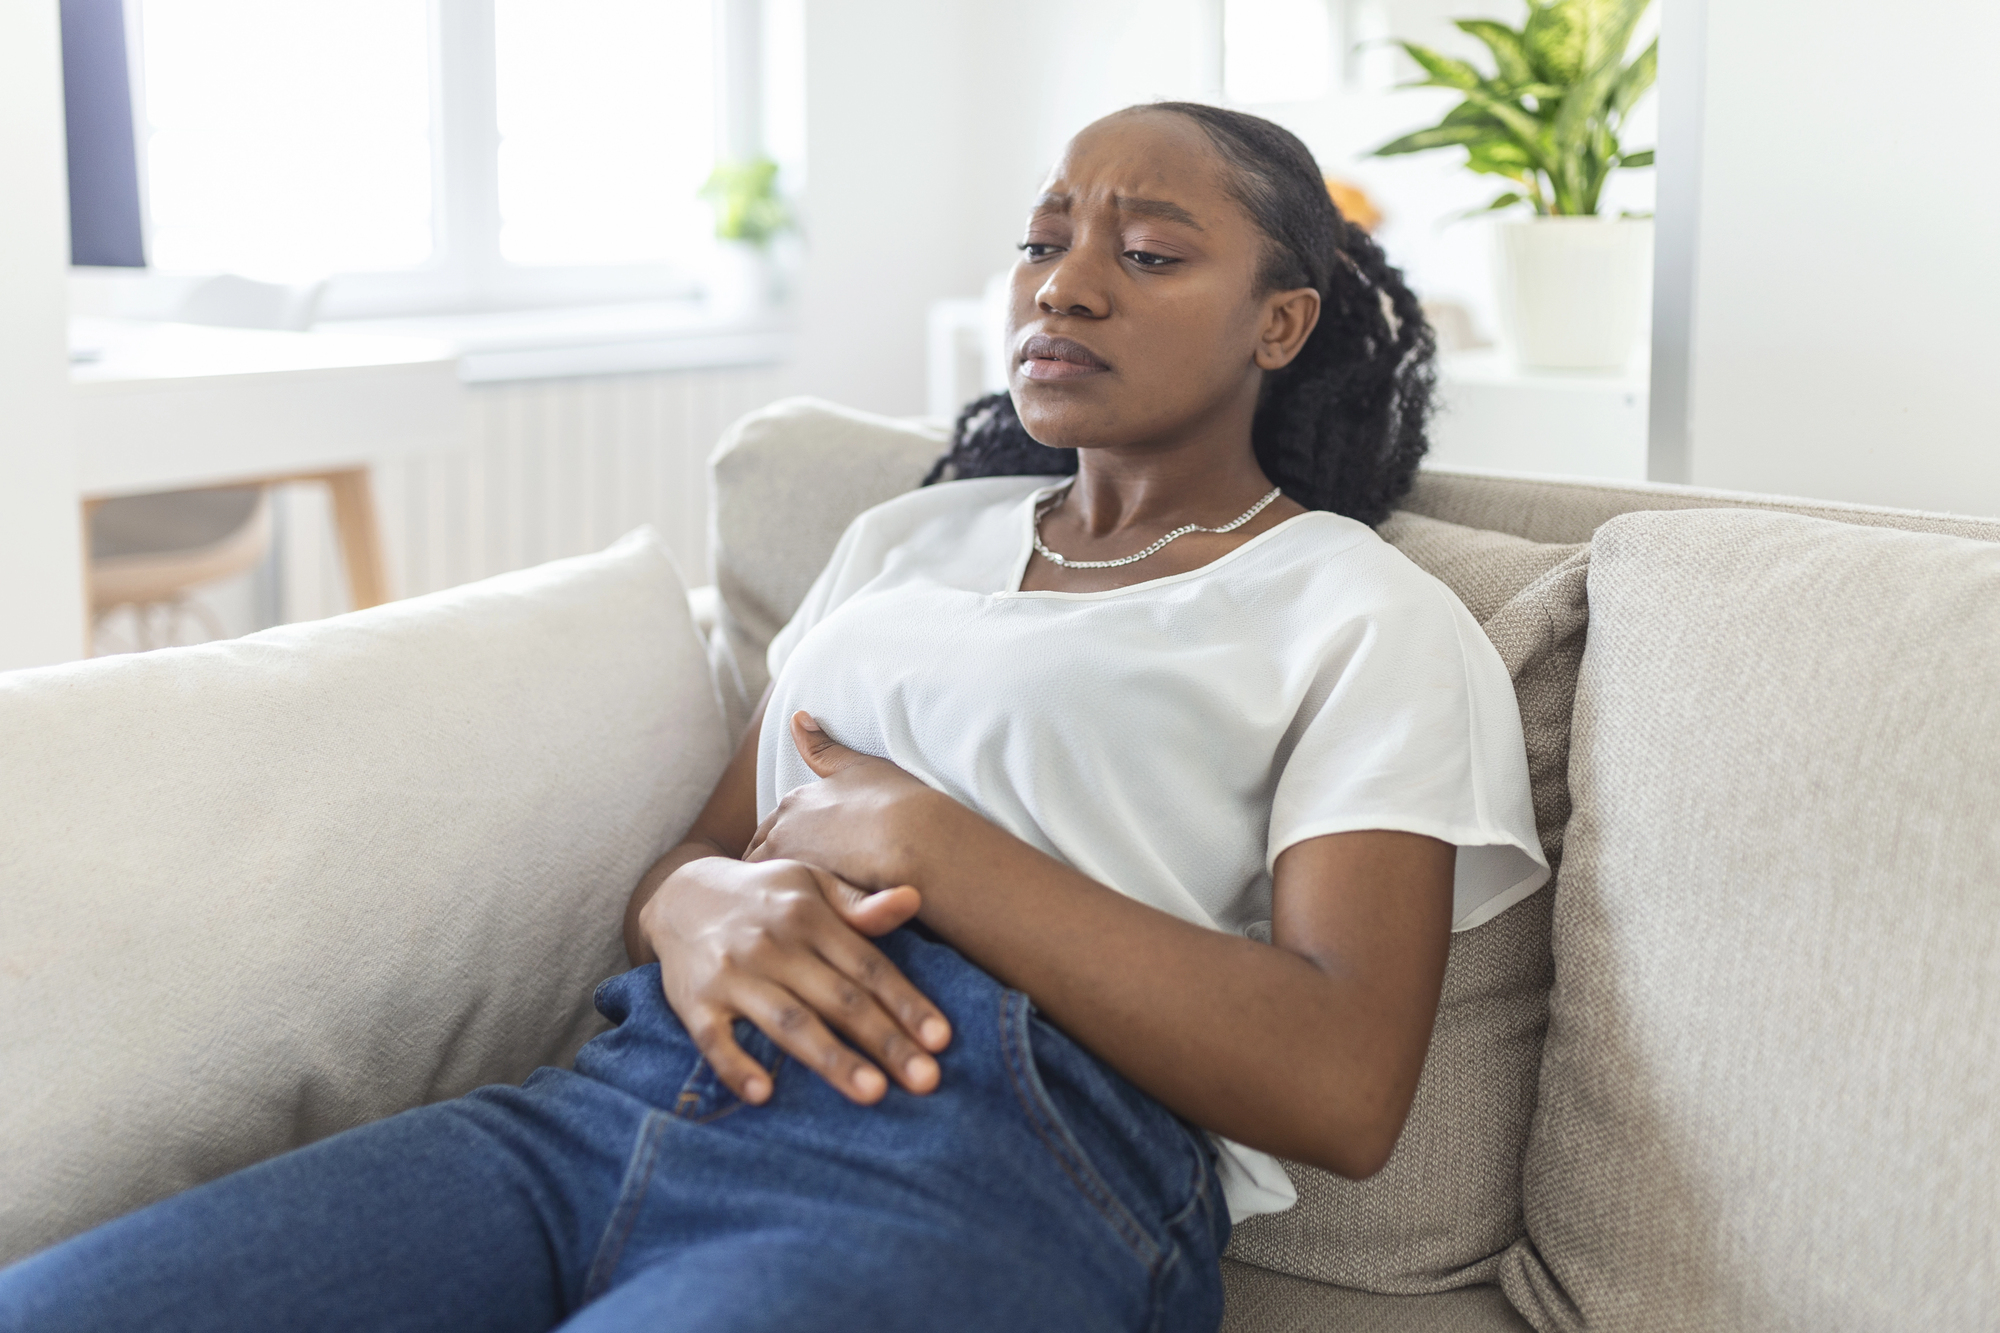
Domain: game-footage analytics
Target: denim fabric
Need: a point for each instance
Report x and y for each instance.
(1035, 1189)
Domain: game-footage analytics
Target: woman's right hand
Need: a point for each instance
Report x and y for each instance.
(785, 945)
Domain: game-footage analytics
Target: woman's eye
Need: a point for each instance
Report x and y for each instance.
(1036, 249)
(1147, 259)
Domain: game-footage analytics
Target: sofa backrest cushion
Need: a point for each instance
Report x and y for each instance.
(1447, 1207)
(1769, 1091)
(784, 483)
(1563, 509)
(258, 891)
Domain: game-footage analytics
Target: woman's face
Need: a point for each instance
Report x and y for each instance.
(1136, 317)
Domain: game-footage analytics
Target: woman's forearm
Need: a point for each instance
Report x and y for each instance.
(1311, 1058)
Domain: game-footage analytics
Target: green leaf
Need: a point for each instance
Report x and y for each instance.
(1521, 124)
(1553, 38)
(745, 197)
(1469, 113)
(1500, 157)
(1636, 79)
(1438, 136)
(1510, 58)
(1443, 70)
(1507, 200)
(1643, 158)
(1566, 40)
(1604, 27)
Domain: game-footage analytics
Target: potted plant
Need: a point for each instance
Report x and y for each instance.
(1572, 284)
(749, 215)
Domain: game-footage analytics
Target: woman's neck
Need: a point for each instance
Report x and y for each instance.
(1120, 490)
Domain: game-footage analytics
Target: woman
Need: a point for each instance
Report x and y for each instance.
(1177, 746)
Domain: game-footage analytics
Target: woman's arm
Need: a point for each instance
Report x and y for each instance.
(1310, 1049)
(784, 945)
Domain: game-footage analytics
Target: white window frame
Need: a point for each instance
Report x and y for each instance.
(466, 272)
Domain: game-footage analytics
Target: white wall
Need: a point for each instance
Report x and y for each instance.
(41, 574)
(886, 159)
(1846, 271)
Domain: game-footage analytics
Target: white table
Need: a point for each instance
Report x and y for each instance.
(1491, 414)
(161, 407)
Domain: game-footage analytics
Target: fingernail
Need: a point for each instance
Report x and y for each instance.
(756, 1090)
(935, 1032)
(921, 1070)
(869, 1081)
(808, 721)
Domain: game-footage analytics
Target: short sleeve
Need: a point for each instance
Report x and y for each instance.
(1411, 724)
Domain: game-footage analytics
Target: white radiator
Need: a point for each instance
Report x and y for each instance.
(547, 468)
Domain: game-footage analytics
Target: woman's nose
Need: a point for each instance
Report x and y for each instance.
(1073, 287)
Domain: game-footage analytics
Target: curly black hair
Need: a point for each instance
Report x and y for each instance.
(1342, 427)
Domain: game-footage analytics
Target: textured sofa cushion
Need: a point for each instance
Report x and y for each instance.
(255, 892)
(1260, 1301)
(785, 482)
(1769, 1092)
(1447, 1207)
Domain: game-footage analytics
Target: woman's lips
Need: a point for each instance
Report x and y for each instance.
(1049, 358)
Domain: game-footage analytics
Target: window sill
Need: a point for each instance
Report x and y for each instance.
(592, 340)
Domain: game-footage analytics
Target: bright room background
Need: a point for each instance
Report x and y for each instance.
(516, 181)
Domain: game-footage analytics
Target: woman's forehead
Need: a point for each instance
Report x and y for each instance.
(1145, 163)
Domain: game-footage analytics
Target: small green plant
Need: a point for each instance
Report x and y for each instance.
(1548, 117)
(746, 201)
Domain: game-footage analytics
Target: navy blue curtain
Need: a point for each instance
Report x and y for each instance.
(104, 225)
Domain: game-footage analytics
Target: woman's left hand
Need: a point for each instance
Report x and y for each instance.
(864, 820)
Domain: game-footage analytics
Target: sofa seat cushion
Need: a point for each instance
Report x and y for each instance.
(1769, 1093)
(1447, 1207)
(258, 891)
(1261, 1301)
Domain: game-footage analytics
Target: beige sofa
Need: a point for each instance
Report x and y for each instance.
(1739, 1068)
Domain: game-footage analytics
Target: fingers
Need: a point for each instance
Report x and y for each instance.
(862, 964)
(872, 914)
(755, 850)
(789, 1020)
(861, 1017)
(824, 755)
(714, 1033)
(844, 982)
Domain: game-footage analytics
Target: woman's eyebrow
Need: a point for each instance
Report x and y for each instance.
(1156, 208)
(1147, 208)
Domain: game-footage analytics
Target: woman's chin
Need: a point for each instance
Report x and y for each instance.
(1064, 420)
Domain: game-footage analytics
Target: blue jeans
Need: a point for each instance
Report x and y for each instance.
(1034, 1189)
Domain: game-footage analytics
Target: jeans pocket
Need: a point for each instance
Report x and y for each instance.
(1139, 1167)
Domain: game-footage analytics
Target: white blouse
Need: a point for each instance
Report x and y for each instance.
(1168, 739)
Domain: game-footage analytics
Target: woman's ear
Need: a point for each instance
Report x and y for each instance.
(1289, 318)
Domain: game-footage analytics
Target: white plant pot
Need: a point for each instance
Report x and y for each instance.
(1573, 291)
(739, 280)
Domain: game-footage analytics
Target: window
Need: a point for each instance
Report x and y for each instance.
(287, 138)
(607, 128)
(439, 155)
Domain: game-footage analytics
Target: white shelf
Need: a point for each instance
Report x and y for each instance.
(1494, 415)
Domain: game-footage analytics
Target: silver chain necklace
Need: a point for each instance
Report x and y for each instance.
(1182, 531)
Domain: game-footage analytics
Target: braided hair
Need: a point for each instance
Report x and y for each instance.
(1340, 428)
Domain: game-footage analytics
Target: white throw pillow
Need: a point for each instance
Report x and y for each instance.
(255, 892)
(1770, 1093)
